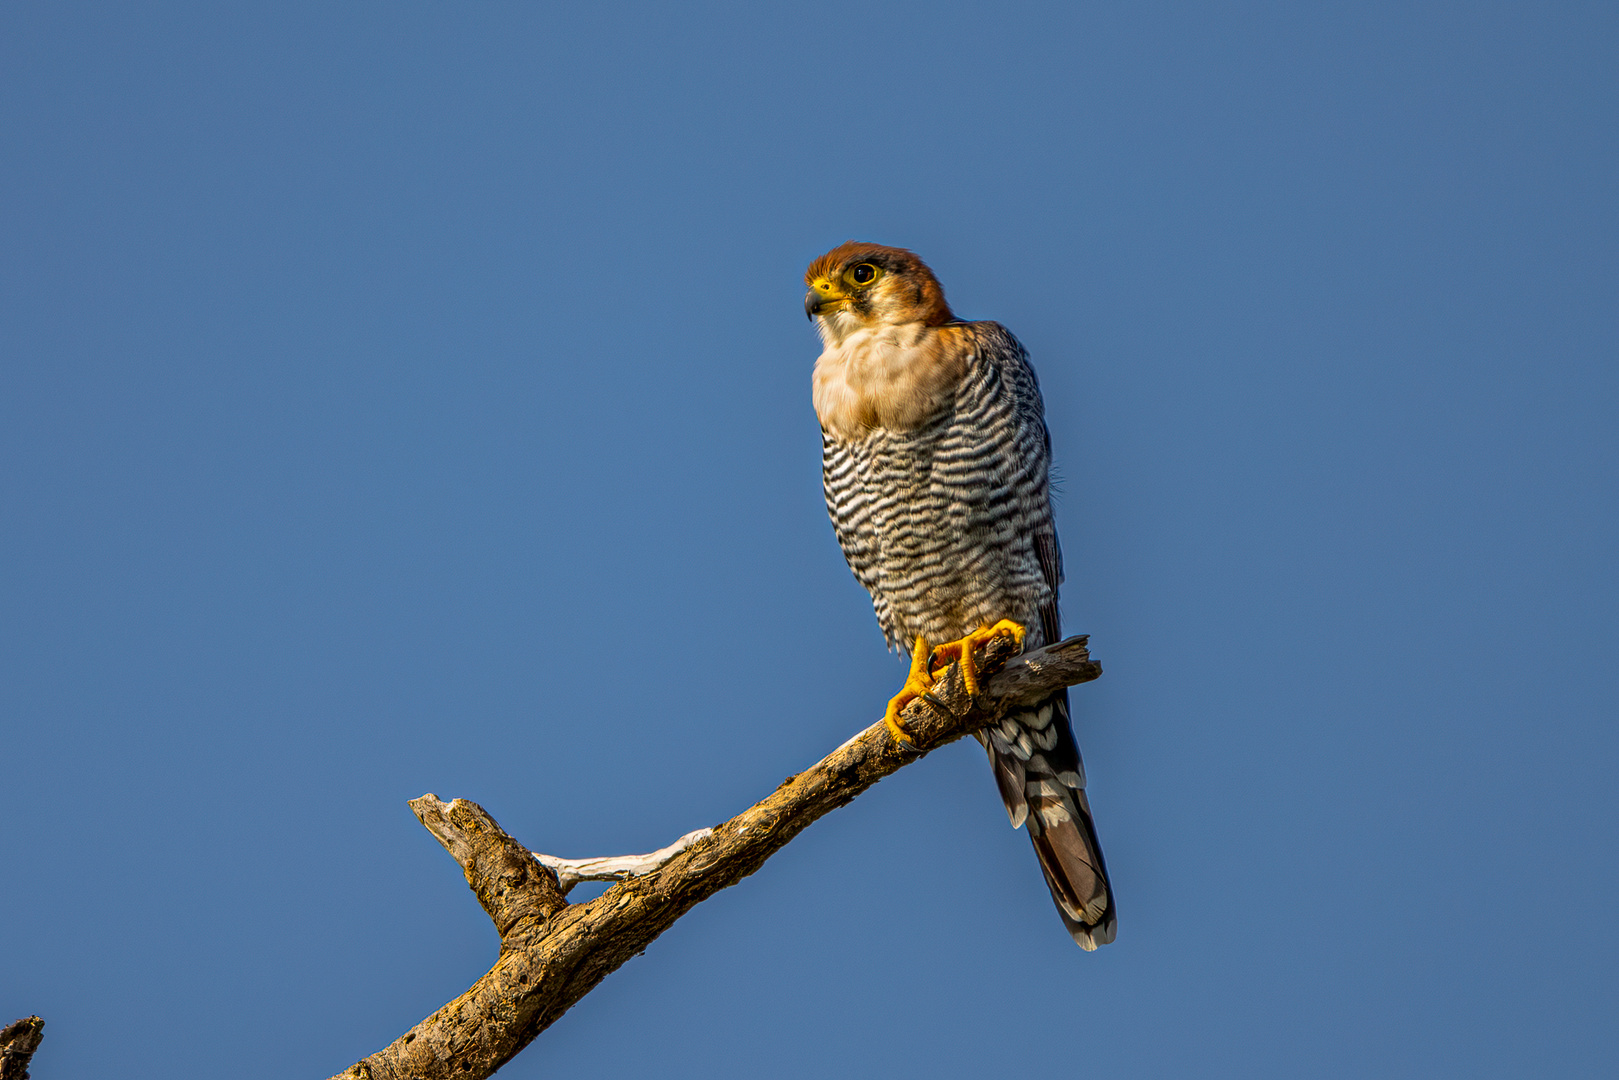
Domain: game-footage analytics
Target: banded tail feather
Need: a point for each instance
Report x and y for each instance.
(1042, 781)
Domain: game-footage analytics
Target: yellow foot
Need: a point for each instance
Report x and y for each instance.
(962, 650)
(917, 683)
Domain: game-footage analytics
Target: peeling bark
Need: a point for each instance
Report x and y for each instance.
(553, 953)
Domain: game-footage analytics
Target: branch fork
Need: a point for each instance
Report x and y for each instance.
(553, 953)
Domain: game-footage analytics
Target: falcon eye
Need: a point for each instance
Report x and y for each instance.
(864, 274)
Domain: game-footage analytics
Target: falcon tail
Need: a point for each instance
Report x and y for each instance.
(1042, 780)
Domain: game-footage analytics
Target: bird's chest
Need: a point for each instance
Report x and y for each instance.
(900, 478)
(927, 563)
(894, 379)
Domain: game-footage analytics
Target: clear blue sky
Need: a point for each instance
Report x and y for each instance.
(414, 397)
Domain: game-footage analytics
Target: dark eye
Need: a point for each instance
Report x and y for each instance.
(864, 274)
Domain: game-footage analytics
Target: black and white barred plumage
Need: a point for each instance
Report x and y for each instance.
(948, 524)
(944, 524)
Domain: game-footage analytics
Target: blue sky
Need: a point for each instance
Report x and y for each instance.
(414, 397)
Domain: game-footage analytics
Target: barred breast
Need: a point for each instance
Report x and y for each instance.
(948, 525)
(940, 523)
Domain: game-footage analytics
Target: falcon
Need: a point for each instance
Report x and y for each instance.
(937, 467)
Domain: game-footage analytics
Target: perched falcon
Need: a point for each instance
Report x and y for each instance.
(937, 465)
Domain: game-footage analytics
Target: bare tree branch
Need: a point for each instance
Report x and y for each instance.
(571, 872)
(553, 953)
(18, 1041)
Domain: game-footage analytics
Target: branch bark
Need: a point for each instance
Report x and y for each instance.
(18, 1041)
(553, 953)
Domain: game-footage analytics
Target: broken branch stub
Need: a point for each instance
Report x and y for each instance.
(18, 1041)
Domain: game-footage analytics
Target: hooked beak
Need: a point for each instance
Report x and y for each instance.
(822, 295)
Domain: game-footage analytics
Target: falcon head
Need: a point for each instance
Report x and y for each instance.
(859, 286)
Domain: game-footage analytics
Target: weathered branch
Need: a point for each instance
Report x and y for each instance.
(553, 953)
(571, 872)
(18, 1041)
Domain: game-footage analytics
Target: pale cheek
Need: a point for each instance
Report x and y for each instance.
(836, 327)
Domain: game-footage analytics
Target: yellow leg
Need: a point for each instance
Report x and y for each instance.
(962, 651)
(917, 683)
